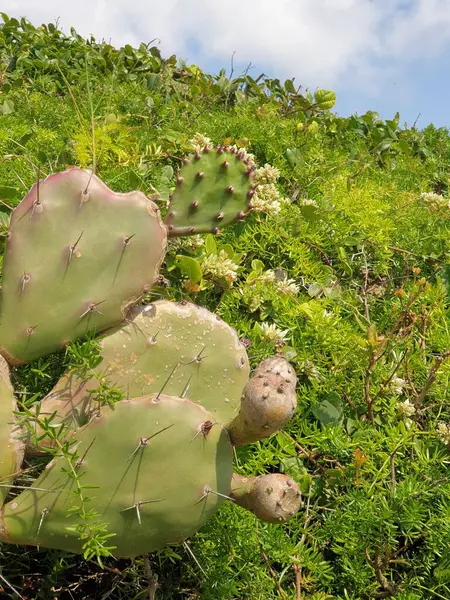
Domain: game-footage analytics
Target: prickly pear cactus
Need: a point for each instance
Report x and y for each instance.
(77, 257)
(214, 188)
(155, 480)
(11, 445)
(184, 348)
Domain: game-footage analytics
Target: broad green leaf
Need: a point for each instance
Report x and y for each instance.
(210, 244)
(329, 410)
(325, 99)
(294, 157)
(190, 268)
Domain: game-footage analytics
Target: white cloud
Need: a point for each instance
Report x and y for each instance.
(320, 42)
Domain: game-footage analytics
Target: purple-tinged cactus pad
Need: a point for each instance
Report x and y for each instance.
(78, 256)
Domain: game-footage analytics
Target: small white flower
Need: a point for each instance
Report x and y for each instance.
(271, 333)
(443, 432)
(308, 202)
(310, 370)
(220, 266)
(397, 385)
(267, 199)
(434, 201)
(406, 409)
(287, 286)
(267, 277)
(266, 174)
(199, 141)
(191, 242)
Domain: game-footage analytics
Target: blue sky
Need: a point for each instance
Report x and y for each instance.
(382, 55)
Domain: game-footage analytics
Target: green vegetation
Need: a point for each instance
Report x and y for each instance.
(348, 279)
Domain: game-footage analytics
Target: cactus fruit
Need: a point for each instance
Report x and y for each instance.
(274, 498)
(154, 480)
(213, 189)
(77, 256)
(267, 404)
(11, 445)
(198, 354)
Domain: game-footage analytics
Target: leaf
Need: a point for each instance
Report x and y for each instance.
(294, 157)
(325, 99)
(210, 244)
(7, 107)
(167, 172)
(257, 266)
(310, 212)
(7, 193)
(314, 290)
(289, 86)
(329, 410)
(289, 353)
(190, 268)
(444, 276)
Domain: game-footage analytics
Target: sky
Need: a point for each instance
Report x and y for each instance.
(381, 55)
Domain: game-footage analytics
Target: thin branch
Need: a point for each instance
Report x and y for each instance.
(432, 376)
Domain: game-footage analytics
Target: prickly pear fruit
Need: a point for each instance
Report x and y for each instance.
(182, 348)
(159, 470)
(77, 257)
(214, 188)
(274, 498)
(11, 445)
(268, 402)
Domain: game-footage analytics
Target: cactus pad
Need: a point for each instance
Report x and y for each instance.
(156, 481)
(11, 446)
(184, 348)
(214, 188)
(77, 256)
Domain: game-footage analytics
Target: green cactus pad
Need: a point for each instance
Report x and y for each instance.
(11, 446)
(156, 480)
(214, 189)
(182, 348)
(77, 256)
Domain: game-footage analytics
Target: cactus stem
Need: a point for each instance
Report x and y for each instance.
(198, 359)
(92, 308)
(229, 189)
(44, 513)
